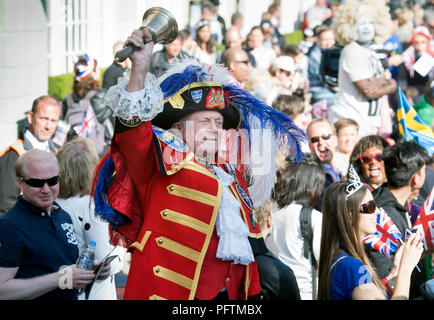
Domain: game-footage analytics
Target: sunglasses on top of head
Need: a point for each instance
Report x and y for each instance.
(368, 208)
(367, 159)
(39, 183)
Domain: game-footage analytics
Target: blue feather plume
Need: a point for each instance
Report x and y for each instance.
(177, 81)
(288, 136)
(102, 207)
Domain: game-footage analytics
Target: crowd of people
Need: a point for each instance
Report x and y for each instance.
(139, 163)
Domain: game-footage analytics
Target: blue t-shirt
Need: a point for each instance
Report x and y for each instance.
(38, 243)
(347, 274)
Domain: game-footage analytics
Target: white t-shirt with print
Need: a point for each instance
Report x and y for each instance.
(357, 63)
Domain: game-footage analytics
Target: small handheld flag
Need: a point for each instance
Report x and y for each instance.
(412, 127)
(385, 240)
(85, 127)
(320, 109)
(424, 223)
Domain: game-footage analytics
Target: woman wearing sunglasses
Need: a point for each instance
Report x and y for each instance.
(367, 159)
(345, 272)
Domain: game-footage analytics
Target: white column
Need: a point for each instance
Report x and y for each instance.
(56, 38)
(23, 63)
(252, 12)
(289, 14)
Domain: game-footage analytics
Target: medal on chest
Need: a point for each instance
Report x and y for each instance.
(243, 194)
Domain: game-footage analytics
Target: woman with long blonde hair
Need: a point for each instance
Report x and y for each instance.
(77, 161)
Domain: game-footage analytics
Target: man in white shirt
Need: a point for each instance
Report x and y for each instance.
(359, 66)
(42, 119)
(362, 81)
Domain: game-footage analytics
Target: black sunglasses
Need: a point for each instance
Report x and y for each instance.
(39, 183)
(324, 137)
(368, 207)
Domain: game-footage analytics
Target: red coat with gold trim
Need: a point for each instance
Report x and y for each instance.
(171, 202)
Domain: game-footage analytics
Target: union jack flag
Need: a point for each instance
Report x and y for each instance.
(320, 109)
(385, 239)
(85, 127)
(424, 223)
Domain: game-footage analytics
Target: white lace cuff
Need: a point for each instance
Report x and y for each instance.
(144, 104)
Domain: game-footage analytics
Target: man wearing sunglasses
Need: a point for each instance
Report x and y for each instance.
(323, 143)
(42, 119)
(37, 238)
(405, 165)
(237, 61)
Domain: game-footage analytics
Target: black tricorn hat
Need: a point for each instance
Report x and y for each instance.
(189, 86)
(198, 96)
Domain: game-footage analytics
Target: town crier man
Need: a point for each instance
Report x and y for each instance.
(168, 192)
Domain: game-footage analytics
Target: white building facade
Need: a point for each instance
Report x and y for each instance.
(41, 38)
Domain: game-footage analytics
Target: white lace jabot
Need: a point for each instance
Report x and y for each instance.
(231, 229)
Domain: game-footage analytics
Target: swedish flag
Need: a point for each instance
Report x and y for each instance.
(411, 125)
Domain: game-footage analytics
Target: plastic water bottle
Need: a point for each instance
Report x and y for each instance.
(85, 261)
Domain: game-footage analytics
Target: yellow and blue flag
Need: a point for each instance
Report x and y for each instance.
(411, 125)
